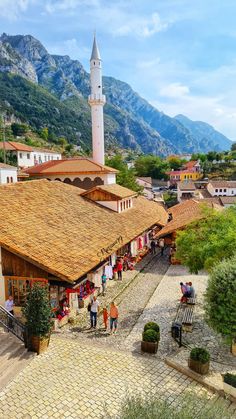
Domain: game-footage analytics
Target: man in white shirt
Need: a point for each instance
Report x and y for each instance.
(94, 312)
(9, 304)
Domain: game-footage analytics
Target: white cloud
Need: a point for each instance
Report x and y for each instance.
(70, 47)
(141, 27)
(174, 90)
(53, 6)
(12, 9)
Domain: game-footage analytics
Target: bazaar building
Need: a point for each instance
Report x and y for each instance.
(54, 232)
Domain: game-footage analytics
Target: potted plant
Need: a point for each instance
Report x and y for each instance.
(37, 312)
(199, 360)
(229, 384)
(151, 337)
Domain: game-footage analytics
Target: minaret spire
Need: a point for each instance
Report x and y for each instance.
(97, 100)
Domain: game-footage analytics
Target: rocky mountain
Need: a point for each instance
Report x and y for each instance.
(204, 133)
(130, 121)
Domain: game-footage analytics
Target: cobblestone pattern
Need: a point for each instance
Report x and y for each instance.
(131, 303)
(77, 380)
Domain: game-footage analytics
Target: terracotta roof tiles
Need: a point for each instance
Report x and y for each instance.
(69, 166)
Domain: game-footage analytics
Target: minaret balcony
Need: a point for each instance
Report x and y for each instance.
(97, 99)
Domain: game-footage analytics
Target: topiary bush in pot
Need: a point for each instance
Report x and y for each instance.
(153, 326)
(150, 341)
(229, 384)
(37, 312)
(199, 360)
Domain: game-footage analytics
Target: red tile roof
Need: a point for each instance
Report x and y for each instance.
(69, 166)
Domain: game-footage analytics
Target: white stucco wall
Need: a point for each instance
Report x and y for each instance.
(35, 157)
(113, 205)
(8, 175)
(221, 191)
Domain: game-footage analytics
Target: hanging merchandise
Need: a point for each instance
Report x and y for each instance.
(140, 243)
(108, 271)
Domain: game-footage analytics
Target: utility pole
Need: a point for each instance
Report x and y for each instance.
(4, 140)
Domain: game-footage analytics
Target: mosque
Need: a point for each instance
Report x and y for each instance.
(84, 172)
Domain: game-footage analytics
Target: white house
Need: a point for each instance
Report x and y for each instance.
(146, 183)
(222, 187)
(8, 174)
(28, 156)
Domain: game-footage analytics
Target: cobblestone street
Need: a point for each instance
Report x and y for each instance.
(131, 302)
(81, 380)
(88, 374)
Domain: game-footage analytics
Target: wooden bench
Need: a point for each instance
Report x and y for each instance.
(187, 320)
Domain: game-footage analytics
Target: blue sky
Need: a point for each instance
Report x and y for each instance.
(180, 55)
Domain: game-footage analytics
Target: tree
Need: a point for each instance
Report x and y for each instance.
(208, 241)
(44, 133)
(233, 147)
(175, 163)
(19, 129)
(11, 159)
(151, 166)
(220, 298)
(37, 311)
(125, 177)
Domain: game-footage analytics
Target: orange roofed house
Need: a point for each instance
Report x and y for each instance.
(191, 171)
(27, 156)
(82, 172)
(66, 236)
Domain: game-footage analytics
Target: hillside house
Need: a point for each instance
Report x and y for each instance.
(8, 174)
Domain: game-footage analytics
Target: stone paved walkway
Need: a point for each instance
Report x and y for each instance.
(131, 303)
(80, 380)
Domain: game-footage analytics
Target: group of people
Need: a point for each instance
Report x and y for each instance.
(154, 244)
(187, 291)
(113, 314)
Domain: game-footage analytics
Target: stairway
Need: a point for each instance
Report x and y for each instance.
(13, 357)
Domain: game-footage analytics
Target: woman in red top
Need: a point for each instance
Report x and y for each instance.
(119, 267)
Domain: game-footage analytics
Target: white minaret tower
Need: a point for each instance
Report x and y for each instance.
(97, 100)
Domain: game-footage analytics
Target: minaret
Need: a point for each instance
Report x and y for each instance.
(97, 100)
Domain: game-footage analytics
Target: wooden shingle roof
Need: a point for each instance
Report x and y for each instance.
(50, 225)
(185, 213)
(114, 189)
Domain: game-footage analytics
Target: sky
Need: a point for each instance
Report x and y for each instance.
(180, 55)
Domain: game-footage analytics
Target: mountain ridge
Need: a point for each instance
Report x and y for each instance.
(129, 119)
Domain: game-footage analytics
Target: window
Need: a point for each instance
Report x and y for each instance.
(232, 192)
(220, 190)
(8, 180)
(57, 158)
(216, 190)
(11, 179)
(224, 190)
(28, 156)
(20, 155)
(45, 158)
(127, 204)
(121, 206)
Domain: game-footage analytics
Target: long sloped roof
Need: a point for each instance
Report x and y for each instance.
(50, 225)
(69, 166)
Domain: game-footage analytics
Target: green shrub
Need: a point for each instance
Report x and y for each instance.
(230, 379)
(200, 354)
(37, 311)
(153, 326)
(190, 406)
(150, 335)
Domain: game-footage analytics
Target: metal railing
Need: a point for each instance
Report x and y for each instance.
(12, 324)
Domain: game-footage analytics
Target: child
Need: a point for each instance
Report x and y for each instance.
(105, 317)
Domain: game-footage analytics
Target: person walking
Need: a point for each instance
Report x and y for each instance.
(153, 247)
(119, 269)
(105, 317)
(104, 283)
(94, 312)
(114, 314)
(9, 303)
(162, 246)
